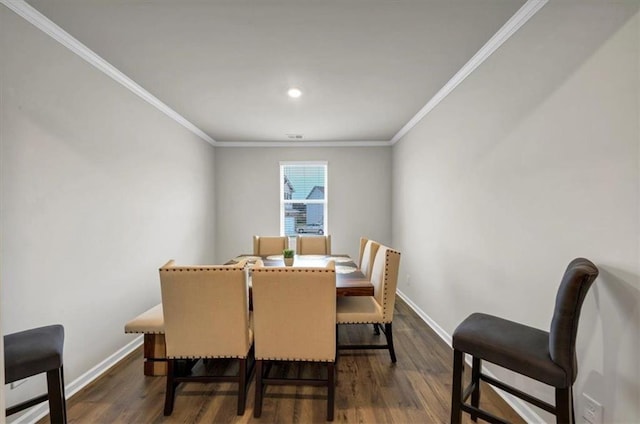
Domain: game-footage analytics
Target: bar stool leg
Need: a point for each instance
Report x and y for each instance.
(563, 406)
(57, 402)
(456, 389)
(475, 379)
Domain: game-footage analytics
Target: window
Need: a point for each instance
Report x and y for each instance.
(303, 198)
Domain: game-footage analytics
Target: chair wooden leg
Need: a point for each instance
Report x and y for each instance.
(563, 406)
(573, 412)
(171, 387)
(376, 329)
(389, 334)
(55, 394)
(456, 387)
(337, 327)
(475, 379)
(331, 390)
(242, 385)
(257, 408)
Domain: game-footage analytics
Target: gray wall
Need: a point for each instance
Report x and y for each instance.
(248, 191)
(530, 162)
(97, 190)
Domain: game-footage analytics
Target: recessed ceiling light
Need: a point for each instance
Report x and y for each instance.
(294, 93)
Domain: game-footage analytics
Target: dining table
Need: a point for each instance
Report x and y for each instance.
(350, 281)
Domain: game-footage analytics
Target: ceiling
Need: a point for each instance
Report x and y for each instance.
(365, 67)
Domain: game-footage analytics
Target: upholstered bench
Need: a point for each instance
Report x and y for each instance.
(151, 324)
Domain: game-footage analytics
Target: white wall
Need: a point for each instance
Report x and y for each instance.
(530, 162)
(98, 189)
(2, 53)
(2, 402)
(248, 191)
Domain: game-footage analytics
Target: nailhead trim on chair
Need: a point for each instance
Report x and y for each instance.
(173, 268)
(386, 278)
(291, 270)
(179, 269)
(386, 286)
(294, 359)
(207, 357)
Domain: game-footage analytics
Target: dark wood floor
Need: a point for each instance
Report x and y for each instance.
(370, 389)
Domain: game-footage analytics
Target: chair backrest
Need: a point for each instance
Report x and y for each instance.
(206, 311)
(384, 277)
(368, 250)
(313, 245)
(577, 280)
(294, 313)
(264, 246)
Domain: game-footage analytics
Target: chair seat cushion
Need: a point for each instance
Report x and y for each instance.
(358, 310)
(511, 345)
(32, 352)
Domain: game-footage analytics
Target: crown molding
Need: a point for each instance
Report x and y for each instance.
(29, 13)
(530, 8)
(300, 143)
(23, 9)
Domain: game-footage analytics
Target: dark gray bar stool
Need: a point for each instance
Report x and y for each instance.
(549, 357)
(32, 352)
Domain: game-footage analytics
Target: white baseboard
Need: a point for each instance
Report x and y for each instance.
(426, 318)
(39, 411)
(523, 409)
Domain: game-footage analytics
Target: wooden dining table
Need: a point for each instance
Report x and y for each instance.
(350, 281)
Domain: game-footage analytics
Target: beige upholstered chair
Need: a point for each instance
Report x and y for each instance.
(313, 245)
(368, 250)
(264, 246)
(294, 320)
(206, 315)
(376, 309)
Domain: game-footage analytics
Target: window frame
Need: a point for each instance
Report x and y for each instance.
(324, 201)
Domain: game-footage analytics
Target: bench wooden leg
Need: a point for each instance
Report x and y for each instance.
(155, 355)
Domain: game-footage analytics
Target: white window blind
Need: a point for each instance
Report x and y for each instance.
(303, 198)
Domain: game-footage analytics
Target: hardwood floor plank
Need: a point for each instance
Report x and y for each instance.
(370, 389)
